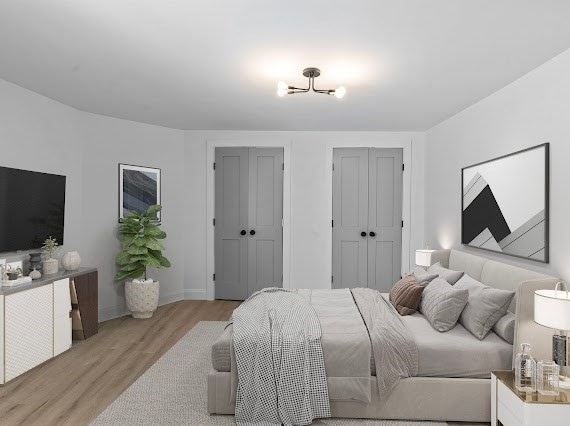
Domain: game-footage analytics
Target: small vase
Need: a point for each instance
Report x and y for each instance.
(35, 274)
(50, 266)
(71, 261)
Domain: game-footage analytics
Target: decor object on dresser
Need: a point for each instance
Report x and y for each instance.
(35, 274)
(140, 234)
(509, 407)
(71, 261)
(35, 261)
(49, 249)
(505, 204)
(552, 310)
(139, 188)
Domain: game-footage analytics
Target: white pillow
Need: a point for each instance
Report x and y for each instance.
(447, 274)
(485, 306)
(505, 327)
(422, 276)
(442, 304)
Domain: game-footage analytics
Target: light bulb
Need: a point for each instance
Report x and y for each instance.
(340, 92)
(282, 88)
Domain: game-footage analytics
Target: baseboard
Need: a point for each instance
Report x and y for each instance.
(113, 312)
(195, 294)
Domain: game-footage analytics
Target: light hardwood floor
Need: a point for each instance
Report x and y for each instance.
(75, 387)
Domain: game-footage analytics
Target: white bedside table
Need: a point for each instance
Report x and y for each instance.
(509, 407)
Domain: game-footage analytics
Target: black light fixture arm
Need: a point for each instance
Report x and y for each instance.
(311, 74)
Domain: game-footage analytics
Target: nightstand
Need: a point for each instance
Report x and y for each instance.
(509, 407)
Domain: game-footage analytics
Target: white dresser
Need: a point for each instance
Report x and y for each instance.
(35, 325)
(510, 407)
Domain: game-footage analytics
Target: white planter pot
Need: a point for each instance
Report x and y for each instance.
(50, 266)
(142, 297)
(71, 261)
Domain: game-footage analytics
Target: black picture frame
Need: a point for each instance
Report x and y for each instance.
(546, 257)
(143, 169)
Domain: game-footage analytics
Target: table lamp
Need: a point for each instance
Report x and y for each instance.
(552, 310)
(423, 257)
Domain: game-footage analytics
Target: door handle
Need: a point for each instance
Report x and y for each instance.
(363, 234)
(372, 233)
(252, 232)
(243, 232)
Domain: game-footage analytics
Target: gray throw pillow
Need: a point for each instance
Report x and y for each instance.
(447, 274)
(505, 327)
(442, 304)
(423, 277)
(486, 305)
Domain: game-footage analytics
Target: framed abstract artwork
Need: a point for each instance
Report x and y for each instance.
(504, 204)
(139, 188)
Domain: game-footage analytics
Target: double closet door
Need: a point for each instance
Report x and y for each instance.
(248, 232)
(367, 217)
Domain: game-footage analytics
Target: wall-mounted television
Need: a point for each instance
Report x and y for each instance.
(32, 208)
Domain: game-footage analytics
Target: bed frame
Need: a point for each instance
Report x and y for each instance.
(438, 399)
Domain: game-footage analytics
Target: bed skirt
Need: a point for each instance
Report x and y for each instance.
(415, 398)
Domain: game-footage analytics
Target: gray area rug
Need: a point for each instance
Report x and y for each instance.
(173, 390)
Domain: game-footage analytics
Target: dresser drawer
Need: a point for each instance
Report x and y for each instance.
(506, 417)
(61, 298)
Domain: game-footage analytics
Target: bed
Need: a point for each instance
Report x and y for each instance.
(453, 379)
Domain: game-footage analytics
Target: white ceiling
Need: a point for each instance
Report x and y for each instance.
(212, 64)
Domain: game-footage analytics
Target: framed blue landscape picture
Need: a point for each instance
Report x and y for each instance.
(139, 188)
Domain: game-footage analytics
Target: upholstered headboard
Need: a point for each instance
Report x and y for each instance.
(507, 277)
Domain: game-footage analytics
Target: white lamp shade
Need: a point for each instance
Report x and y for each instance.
(423, 257)
(552, 309)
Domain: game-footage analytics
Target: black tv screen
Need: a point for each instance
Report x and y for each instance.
(32, 208)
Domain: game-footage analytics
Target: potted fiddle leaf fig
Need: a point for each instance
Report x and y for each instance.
(141, 249)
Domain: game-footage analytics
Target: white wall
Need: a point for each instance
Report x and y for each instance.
(528, 112)
(310, 230)
(38, 133)
(108, 142)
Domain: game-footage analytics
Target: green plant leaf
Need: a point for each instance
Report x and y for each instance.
(153, 244)
(123, 258)
(152, 211)
(164, 262)
(134, 250)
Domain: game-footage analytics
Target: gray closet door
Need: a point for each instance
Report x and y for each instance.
(248, 233)
(384, 218)
(265, 218)
(350, 217)
(231, 198)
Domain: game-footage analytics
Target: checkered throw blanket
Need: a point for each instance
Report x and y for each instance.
(280, 364)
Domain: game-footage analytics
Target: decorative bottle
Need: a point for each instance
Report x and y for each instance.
(525, 370)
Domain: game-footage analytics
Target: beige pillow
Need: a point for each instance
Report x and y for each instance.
(406, 295)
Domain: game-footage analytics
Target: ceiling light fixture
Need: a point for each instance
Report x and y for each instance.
(311, 73)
